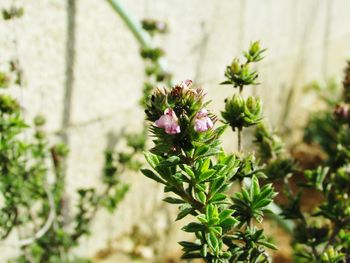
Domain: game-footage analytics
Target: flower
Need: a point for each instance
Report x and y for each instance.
(186, 84)
(169, 122)
(202, 122)
(341, 111)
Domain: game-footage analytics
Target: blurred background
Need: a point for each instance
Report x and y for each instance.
(83, 72)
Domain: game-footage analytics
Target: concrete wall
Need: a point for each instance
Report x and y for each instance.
(83, 72)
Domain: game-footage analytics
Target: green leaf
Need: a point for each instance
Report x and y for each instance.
(212, 241)
(201, 197)
(187, 169)
(225, 214)
(189, 246)
(255, 188)
(152, 175)
(206, 175)
(246, 195)
(210, 211)
(217, 185)
(193, 227)
(262, 203)
(152, 159)
(268, 244)
(184, 212)
(229, 223)
(218, 197)
(191, 255)
(205, 165)
(201, 150)
(226, 82)
(204, 250)
(171, 161)
(173, 200)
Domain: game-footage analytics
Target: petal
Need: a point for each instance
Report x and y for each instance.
(202, 113)
(210, 123)
(174, 128)
(200, 125)
(163, 121)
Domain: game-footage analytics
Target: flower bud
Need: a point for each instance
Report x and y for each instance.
(240, 113)
(169, 122)
(235, 66)
(341, 111)
(254, 48)
(202, 122)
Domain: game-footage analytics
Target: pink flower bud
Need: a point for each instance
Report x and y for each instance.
(202, 122)
(186, 84)
(169, 122)
(342, 111)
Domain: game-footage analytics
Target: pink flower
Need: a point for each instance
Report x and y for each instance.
(186, 84)
(202, 122)
(169, 122)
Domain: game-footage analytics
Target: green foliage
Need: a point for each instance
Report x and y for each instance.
(239, 74)
(192, 166)
(251, 203)
(241, 113)
(32, 183)
(12, 12)
(153, 26)
(268, 143)
(30, 200)
(320, 235)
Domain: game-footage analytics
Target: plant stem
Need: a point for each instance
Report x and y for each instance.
(239, 134)
(143, 38)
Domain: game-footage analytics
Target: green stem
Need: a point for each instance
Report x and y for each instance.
(143, 38)
(135, 27)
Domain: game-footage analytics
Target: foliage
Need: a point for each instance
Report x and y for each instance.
(240, 74)
(32, 184)
(320, 235)
(191, 165)
(241, 113)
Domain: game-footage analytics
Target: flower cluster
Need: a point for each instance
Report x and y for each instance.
(179, 117)
(169, 122)
(188, 160)
(239, 74)
(241, 113)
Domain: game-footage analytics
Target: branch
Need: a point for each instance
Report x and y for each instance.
(42, 231)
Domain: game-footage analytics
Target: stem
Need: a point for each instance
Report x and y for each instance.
(239, 134)
(314, 251)
(143, 38)
(332, 238)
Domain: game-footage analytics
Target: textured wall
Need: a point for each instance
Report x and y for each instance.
(83, 72)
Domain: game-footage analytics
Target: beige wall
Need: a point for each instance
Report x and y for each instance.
(306, 40)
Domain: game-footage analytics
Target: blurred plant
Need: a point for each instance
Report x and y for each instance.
(32, 185)
(322, 234)
(32, 188)
(12, 12)
(322, 127)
